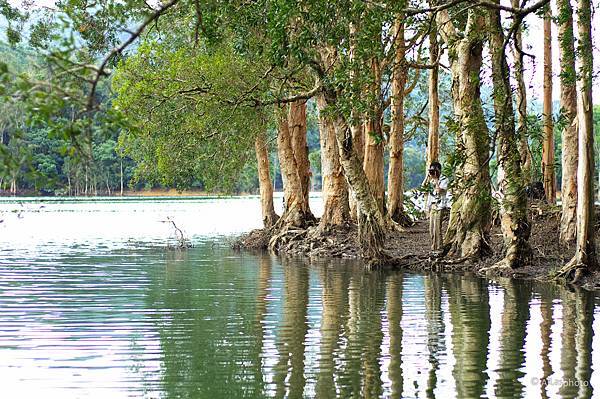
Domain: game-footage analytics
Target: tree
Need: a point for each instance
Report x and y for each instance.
(395, 187)
(515, 225)
(585, 253)
(297, 120)
(433, 140)
(568, 108)
(374, 140)
(265, 182)
(296, 212)
(469, 225)
(521, 100)
(336, 210)
(548, 146)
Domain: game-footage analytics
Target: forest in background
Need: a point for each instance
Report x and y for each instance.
(49, 167)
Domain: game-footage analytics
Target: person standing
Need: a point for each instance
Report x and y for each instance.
(436, 203)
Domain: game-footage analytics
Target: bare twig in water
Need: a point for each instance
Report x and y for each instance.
(182, 241)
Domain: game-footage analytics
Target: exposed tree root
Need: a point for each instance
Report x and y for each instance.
(498, 269)
(392, 225)
(572, 272)
(410, 250)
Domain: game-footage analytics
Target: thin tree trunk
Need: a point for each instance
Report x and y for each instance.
(548, 142)
(374, 141)
(121, 179)
(469, 224)
(264, 181)
(516, 227)
(585, 253)
(297, 121)
(336, 209)
(358, 139)
(357, 129)
(395, 208)
(568, 108)
(433, 139)
(521, 97)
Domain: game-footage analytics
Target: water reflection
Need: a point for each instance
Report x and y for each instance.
(212, 323)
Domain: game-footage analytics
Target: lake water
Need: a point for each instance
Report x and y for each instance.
(94, 305)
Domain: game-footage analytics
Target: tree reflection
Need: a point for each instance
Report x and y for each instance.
(470, 317)
(394, 315)
(372, 299)
(568, 354)
(435, 329)
(264, 277)
(289, 371)
(512, 339)
(335, 309)
(584, 305)
(229, 332)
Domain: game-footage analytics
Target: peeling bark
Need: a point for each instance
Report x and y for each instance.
(295, 213)
(335, 190)
(374, 142)
(521, 99)
(297, 121)
(568, 106)
(395, 189)
(585, 253)
(548, 173)
(433, 139)
(469, 224)
(264, 181)
(358, 139)
(371, 233)
(515, 224)
(357, 129)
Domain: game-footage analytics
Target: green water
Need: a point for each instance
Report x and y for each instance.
(82, 316)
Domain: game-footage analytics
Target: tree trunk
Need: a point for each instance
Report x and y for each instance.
(374, 142)
(395, 208)
(336, 209)
(297, 121)
(469, 224)
(433, 139)
(516, 227)
(568, 109)
(358, 139)
(357, 129)
(264, 181)
(121, 179)
(371, 233)
(295, 213)
(521, 98)
(548, 144)
(585, 253)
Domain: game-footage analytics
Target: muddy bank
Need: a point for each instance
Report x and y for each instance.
(410, 249)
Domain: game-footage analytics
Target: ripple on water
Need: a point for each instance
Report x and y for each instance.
(112, 313)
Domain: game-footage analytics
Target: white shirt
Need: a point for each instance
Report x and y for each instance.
(438, 200)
